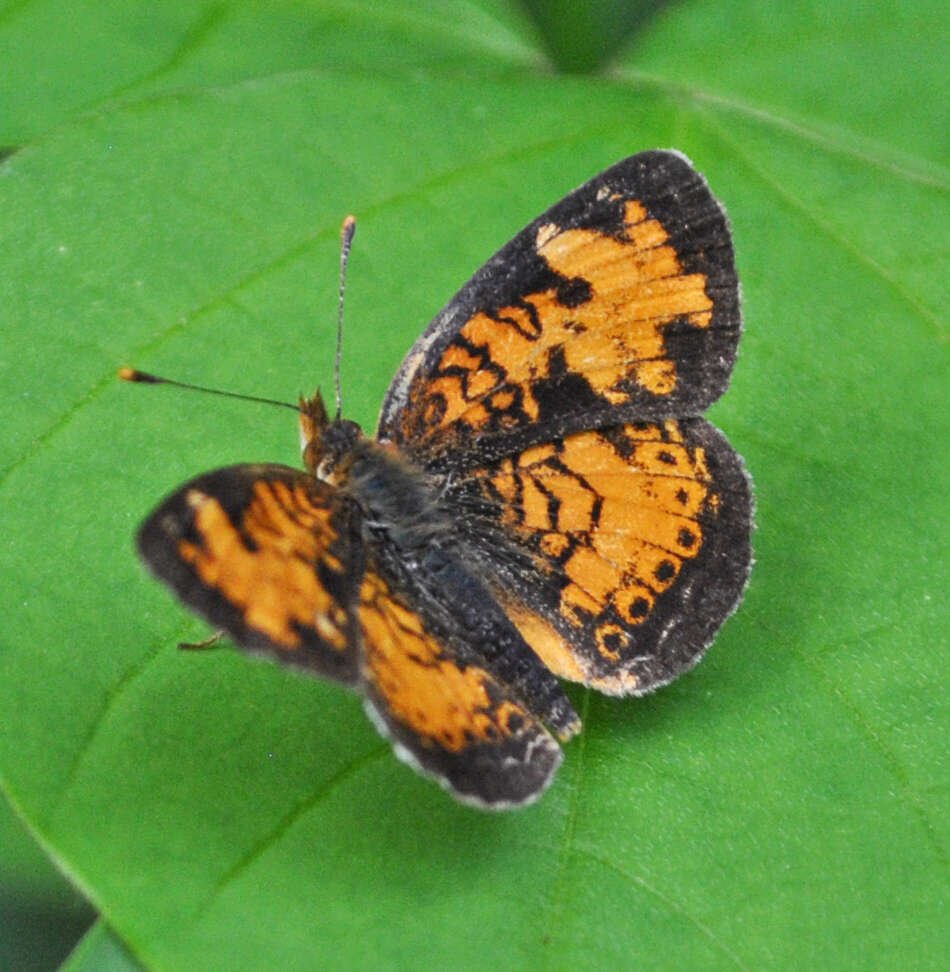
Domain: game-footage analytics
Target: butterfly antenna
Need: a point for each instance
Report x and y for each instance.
(346, 239)
(133, 374)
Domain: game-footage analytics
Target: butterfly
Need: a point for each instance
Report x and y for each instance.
(543, 500)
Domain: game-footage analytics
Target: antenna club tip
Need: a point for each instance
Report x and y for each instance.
(131, 374)
(348, 228)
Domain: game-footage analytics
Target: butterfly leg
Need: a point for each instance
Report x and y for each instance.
(211, 642)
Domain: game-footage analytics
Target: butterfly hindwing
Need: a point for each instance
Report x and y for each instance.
(448, 712)
(617, 552)
(620, 303)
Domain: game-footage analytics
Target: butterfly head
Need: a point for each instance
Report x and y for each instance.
(324, 442)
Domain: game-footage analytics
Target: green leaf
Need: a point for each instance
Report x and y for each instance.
(100, 951)
(65, 60)
(40, 913)
(178, 209)
(583, 37)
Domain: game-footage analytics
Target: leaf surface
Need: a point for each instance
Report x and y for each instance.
(784, 805)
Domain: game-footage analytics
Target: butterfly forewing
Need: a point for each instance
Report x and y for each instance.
(620, 303)
(268, 554)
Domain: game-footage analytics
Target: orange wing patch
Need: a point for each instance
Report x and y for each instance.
(271, 580)
(443, 703)
(625, 290)
(611, 517)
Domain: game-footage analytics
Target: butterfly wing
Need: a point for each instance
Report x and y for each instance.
(281, 562)
(268, 554)
(447, 712)
(620, 303)
(558, 392)
(618, 553)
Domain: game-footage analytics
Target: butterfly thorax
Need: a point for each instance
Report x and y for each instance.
(395, 497)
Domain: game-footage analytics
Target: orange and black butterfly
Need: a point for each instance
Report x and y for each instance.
(543, 499)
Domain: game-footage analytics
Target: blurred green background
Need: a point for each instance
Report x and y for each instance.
(172, 184)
